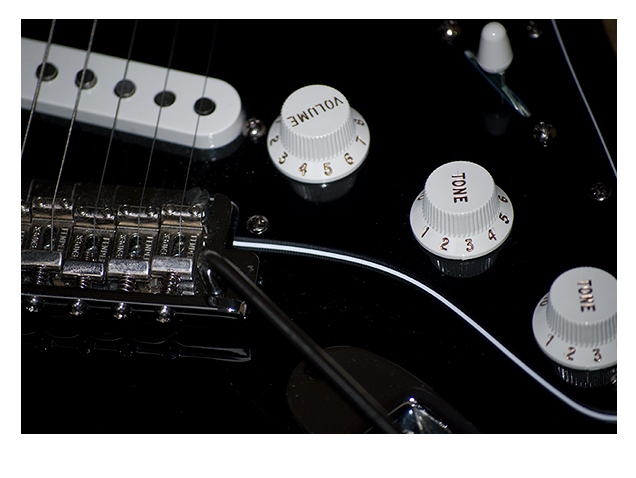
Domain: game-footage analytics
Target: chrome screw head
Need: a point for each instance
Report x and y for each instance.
(151, 211)
(535, 30)
(257, 224)
(544, 132)
(78, 307)
(600, 192)
(33, 304)
(254, 129)
(449, 30)
(196, 210)
(164, 315)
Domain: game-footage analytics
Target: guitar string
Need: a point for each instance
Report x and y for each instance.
(36, 94)
(196, 129)
(154, 139)
(277, 246)
(70, 128)
(112, 131)
(578, 85)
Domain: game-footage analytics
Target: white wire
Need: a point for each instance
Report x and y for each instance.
(279, 247)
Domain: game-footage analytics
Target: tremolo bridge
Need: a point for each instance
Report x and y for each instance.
(116, 268)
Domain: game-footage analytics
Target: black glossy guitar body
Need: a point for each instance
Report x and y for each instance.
(425, 105)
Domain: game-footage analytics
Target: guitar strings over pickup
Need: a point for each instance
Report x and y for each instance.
(215, 113)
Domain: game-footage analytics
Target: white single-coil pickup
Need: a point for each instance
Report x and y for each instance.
(138, 114)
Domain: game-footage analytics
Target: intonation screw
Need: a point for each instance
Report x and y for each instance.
(33, 303)
(165, 314)
(126, 284)
(196, 210)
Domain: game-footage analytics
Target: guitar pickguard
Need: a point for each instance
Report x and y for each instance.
(339, 258)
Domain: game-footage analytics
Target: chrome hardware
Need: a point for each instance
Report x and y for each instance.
(412, 418)
(257, 224)
(110, 255)
(449, 30)
(600, 192)
(535, 30)
(254, 129)
(544, 133)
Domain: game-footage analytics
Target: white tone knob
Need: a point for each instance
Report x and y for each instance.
(575, 323)
(461, 214)
(318, 138)
(494, 54)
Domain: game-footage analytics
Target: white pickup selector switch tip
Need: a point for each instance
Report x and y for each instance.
(318, 138)
(461, 214)
(495, 53)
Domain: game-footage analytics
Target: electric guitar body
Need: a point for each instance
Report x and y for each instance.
(121, 330)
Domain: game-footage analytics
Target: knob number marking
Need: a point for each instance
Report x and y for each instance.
(326, 169)
(569, 355)
(597, 355)
(571, 351)
(575, 323)
(475, 246)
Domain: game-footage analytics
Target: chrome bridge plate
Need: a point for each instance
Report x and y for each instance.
(104, 269)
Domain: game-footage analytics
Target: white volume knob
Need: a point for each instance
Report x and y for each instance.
(575, 324)
(461, 214)
(495, 53)
(318, 138)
